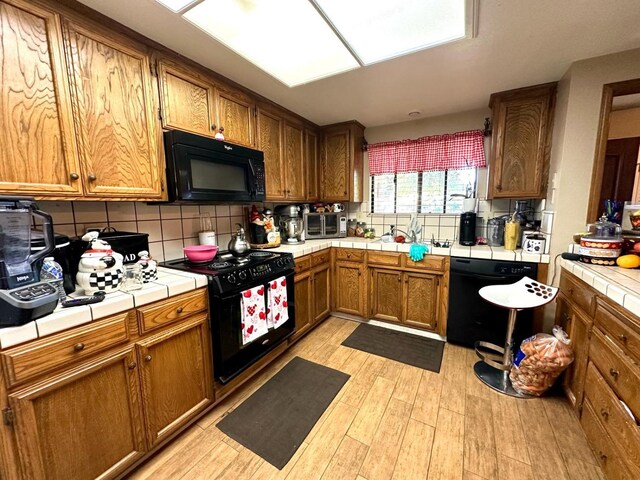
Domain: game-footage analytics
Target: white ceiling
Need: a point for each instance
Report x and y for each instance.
(519, 43)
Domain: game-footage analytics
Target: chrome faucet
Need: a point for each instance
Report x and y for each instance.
(411, 236)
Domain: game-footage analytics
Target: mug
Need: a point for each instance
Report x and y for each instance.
(338, 207)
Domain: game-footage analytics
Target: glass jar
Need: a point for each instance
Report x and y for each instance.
(351, 227)
(360, 229)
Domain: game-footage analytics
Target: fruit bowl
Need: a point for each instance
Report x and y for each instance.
(200, 253)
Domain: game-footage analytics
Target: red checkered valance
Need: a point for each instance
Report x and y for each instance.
(437, 152)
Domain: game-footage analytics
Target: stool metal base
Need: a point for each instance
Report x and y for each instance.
(497, 379)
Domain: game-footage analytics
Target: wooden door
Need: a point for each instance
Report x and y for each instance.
(303, 296)
(84, 423)
(115, 115)
(177, 382)
(619, 171)
(521, 142)
(187, 102)
(311, 163)
(386, 294)
(38, 146)
(420, 300)
(294, 162)
(270, 142)
(335, 165)
(349, 288)
(236, 114)
(321, 284)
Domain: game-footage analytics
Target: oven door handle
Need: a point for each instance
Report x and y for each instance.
(480, 276)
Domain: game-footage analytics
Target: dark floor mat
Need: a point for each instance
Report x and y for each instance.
(403, 347)
(276, 418)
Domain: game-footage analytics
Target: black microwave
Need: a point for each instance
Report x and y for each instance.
(203, 169)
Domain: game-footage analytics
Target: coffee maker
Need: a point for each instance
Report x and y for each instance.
(23, 297)
(291, 223)
(467, 229)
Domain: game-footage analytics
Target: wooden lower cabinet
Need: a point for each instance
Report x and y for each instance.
(420, 300)
(386, 294)
(303, 299)
(349, 288)
(321, 286)
(82, 424)
(175, 369)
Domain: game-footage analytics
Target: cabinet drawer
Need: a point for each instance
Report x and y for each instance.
(581, 295)
(302, 263)
(320, 258)
(427, 263)
(610, 459)
(615, 420)
(620, 373)
(618, 328)
(171, 310)
(50, 353)
(384, 258)
(350, 254)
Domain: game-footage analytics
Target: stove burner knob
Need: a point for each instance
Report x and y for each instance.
(242, 275)
(279, 262)
(231, 278)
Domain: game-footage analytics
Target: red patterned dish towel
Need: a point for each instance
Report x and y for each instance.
(278, 306)
(254, 316)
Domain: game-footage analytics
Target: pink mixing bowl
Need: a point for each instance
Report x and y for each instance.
(200, 253)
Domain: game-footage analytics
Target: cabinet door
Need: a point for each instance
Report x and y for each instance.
(38, 153)
(386, 294)
(295, 171)
(522, 124)
(81, 424)
(236, 114)
(321, 280)
(420, 300)
(115, 115)
(303, 296)
(349, 288)
(311, 163)
(578, 328)
(334, 180)
(270, 142)
(187, 102)
(176, 376)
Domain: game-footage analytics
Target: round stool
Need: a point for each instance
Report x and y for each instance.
(495, 362)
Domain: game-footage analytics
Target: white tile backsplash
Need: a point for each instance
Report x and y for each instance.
(172, 229)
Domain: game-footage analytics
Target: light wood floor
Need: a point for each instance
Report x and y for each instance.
(394, 421)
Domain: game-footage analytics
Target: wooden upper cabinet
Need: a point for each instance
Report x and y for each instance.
(521, 141)
(236, 114)
(84, 423)
(115, 113)
(177, 382)
(270, 131)
(294, 161)
(312, 162)
(341, 162)
(37, 153)
(187, 101)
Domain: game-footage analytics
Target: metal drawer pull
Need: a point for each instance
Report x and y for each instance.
(132, 365)
(148, 358)
(614, 373)
(605, 413)
(74, 176)
(623, 338)
(78, 347)
(179, 309)
(92, 178)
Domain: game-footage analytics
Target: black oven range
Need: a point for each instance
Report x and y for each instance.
(229, 279)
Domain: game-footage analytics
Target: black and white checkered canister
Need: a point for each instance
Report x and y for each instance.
(149, 275)
(105, 281)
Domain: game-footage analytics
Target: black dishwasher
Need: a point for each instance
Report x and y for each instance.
(470, 317)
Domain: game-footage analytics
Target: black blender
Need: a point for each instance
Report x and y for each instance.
(23, 297)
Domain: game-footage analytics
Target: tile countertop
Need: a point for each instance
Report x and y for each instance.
(168, 284)
(621, 285)
(456, 250)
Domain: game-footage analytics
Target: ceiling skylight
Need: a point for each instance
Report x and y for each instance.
(286, 38)
(378, 30)
(299, 41)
